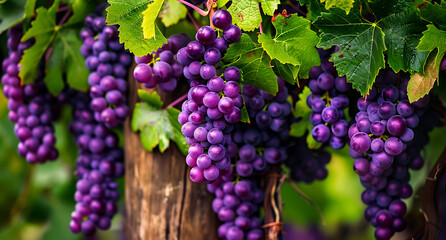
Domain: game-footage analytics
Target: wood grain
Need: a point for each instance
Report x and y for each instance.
(161, 202)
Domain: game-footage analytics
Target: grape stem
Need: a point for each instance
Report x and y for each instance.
(192, 19)
(302, 194)
(65, 17)
(260, 24)
(176, 101)
(297, 9)
(20, 203)
(200, 11)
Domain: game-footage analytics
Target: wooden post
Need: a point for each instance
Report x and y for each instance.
(160, 200)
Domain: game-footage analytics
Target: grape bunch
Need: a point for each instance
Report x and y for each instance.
(29, 105)
(383, 142)
(99, 163)
(328, 101)
(237, 206)
(261, 143)
(108, 62)
(165, 72)
(306, 165)
(213, 105)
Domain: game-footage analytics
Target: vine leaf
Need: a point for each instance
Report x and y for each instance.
(172, 12)
(402, 33)
(432, 39)
(294, 43)
(253, 62)
(302, 111)
(287, 72)
(43, 29)
(81, 8)
(151, 98)
(222, 3)
(149, 17)
(420, 85)
(73, 61)
(432, 42)
(361, 43)
(316, 8)
(434, 13)
(345, 5)
(11, 13)
(54, 72)
(128, 14)
(269, 6)
(157, 126)
(245, 14)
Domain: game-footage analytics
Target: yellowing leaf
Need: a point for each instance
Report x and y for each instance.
(149, 17)
(172, 12)
(345, 5)
(420, 85)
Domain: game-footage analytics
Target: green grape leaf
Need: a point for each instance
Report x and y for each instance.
(313, 144)
(316, 8)
(294, 43)
(245, 115)
(269, 6)
(384, 8)
(245, 14)
(361, 43)
(222, 3)
(54, 70)
(420, 85)
(254, 63)
(287, 72)
(345, 5)
(29, 8)
(402, 33)
(172, 12)
(81, 8)
(157, 127)
(128, 15)
(302, 112)
(152, 98)
(298, 129)
(434, 13)
(432, 42)
(149, 17)
(73, 61)
(432, 39)
(43, 29)
(178, 137)
(11, 13)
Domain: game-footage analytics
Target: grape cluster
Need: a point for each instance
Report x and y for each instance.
(165, 72)
(261, 143)
(213, 105)
(99, 163)
(306, 165)
(108, 62)
(29, 105)
(383, 142)
(328, 102)
(237, 206)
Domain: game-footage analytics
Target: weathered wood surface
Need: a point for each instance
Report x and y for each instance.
(161, 202)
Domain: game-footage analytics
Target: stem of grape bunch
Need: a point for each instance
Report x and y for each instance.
(193, 21)
(260, 24)
(200, 11)
(180, 99)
